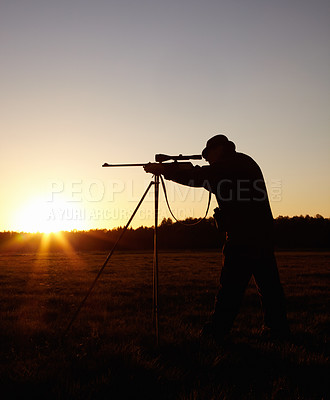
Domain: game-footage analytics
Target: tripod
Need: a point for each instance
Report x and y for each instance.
(154, 182)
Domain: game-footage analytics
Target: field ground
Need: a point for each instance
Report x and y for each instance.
(110, 351)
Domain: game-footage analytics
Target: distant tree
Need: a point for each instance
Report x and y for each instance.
(166, 221)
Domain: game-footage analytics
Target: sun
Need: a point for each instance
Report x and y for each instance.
(40, 215)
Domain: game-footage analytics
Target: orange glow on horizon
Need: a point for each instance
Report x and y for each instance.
(41, 244)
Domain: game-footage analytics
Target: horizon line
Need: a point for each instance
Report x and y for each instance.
(316, 216)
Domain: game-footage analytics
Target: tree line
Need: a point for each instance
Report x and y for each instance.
(299, 232)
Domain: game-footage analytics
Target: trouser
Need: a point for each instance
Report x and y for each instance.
(240, 264)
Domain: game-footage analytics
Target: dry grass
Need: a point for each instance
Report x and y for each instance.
(110, 351)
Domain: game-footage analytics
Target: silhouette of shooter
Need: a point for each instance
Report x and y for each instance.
(244, 214)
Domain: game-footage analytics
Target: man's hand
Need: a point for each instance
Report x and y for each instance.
(154, 168)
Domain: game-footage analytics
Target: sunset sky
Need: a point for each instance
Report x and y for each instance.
(85, 82)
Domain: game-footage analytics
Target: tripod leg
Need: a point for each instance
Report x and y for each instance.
(155, 262)
(106, 261)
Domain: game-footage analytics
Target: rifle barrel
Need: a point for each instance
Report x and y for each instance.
(123, 165)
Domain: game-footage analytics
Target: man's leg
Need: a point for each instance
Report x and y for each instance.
(271, 293)
(235, 275)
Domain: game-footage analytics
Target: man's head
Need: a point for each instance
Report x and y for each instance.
(217, 148)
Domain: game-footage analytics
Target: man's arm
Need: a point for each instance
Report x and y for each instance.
(184, 173)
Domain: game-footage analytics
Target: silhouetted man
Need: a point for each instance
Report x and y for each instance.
(244, 214)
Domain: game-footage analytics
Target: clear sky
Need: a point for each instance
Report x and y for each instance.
(85, 82)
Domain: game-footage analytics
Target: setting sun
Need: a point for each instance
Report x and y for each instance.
(40, 215)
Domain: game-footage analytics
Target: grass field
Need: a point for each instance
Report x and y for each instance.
(110, 351)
